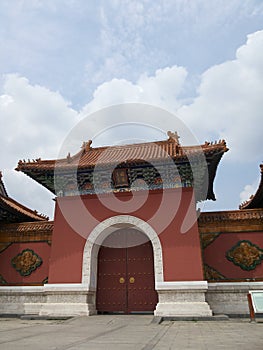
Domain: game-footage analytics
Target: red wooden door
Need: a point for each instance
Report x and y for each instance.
(126, 279)
(142, 295)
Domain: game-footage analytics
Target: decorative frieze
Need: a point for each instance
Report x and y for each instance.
(233, 215)
(140, 177)
(26, 232)
(231, 221)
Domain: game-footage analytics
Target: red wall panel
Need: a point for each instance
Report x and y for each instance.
(215, 255)
(165, 211)
(9, 273)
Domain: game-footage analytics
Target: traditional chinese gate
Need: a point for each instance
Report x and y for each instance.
(126, 277)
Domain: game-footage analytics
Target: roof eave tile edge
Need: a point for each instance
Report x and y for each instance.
(31, 214)
(3, 185)
(248, 204)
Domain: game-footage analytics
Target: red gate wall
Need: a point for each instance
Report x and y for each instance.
(181, 251)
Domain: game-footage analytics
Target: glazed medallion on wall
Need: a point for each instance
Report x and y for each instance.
(26, 262)
(246, 255)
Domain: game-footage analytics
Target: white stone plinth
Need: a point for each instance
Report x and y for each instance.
(49, 300)
(68, 300)
(186, 299)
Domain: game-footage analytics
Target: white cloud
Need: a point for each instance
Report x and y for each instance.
(141, 35)
(162, 89)
(165, 87)
(34, 121)
(251, 54)
(230, 103)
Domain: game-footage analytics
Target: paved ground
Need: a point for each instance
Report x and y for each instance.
(128, 332)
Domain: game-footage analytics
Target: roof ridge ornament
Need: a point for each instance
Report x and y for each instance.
(173, 136)
(86, 146)
(220, 142)
(68, 157)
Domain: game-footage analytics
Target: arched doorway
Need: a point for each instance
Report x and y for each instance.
(125, 273)
(93, 244)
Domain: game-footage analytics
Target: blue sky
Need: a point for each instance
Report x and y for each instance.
(62, 60)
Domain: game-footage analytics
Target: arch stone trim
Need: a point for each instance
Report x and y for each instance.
(98, 234)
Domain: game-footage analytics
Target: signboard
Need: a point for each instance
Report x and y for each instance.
(257, 300)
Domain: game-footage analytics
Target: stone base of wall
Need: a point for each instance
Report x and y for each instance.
(185, 299)
(176, 299)
(230, 298)
(49, 300)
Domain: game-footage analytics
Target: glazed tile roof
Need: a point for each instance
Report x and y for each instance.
(256, 200)
(12, 211)
(44, 171)
(89, 157)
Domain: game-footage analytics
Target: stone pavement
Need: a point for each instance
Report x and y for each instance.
(128, 332)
